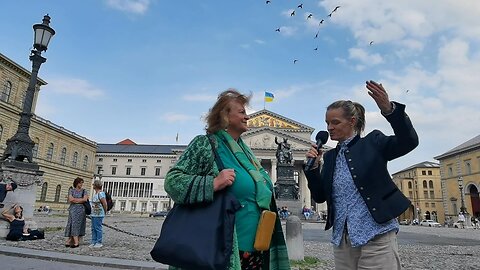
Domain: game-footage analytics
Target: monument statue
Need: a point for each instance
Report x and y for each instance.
(284, 152)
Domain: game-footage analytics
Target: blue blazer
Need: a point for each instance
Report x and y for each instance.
(367, 159)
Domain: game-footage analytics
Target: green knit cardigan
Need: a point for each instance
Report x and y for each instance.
(198, 159)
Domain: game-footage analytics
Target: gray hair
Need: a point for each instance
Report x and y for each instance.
(97, 184)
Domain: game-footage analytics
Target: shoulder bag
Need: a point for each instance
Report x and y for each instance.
(86, 204)
(199, 236)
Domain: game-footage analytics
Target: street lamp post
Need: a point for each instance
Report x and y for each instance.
(463, 209)
(16, 163)
(20, 146)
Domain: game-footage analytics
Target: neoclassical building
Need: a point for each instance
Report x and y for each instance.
(134, 174)
(421, 184)
(61, 154)
(460, 178)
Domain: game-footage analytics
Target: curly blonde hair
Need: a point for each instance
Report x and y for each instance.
(217, 117)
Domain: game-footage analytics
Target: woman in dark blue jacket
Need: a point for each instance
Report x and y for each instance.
(362, 200)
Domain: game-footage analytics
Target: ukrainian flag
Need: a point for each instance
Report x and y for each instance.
(268, 97)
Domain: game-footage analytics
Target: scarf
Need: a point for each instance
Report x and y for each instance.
(246, 158)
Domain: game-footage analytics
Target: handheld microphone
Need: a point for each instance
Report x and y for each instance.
(322, 138)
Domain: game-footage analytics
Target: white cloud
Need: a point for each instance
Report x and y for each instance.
(364, 57)
(172, 117)
(288, 30)
(259, 41)
(75, 87)
(130, 6)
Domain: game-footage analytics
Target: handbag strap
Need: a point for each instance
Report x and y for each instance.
(219, 162)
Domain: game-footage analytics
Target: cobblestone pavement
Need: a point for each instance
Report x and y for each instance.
(415, 255)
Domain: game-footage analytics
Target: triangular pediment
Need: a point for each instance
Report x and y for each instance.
(264, 138)
(266, 118)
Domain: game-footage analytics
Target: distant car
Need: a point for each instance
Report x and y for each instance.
(405, 222)
(158, 214)
(429, 223)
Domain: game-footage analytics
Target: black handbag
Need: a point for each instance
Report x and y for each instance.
(199, 236)
(86, 204)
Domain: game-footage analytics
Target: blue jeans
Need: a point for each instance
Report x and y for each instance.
(97, 230)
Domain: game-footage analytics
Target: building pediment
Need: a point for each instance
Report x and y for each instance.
(265, 118)
(264, 138)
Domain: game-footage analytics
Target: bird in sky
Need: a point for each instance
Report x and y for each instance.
(292, 14)
(316, 35)
(309, 16)
(300, 6)
(321, 21)
(330, 15)
(335, 9)
(277, 30)
(295, 61)
(316, 49)
(268, 2)
(407, 91)
(371, 42)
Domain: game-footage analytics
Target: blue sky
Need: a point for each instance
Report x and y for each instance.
(147, 69)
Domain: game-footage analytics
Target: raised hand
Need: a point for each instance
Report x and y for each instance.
(379, 94)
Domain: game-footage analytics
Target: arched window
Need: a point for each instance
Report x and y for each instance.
(63, 155)
(409, 185)
(424, 184)
(7, 89)
(75, 159)
(50, 152)
(43, 194)
(85, 162)
(430, 184)
(57, 193)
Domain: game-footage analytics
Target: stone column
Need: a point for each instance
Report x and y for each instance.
(27, 177)
(274, 170)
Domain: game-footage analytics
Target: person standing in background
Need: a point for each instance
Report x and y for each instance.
(99, 206)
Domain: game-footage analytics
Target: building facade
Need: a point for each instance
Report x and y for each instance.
(460, 178)
(125, 166)
(422, 185)
(62, 154)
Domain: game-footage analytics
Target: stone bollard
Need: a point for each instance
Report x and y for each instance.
(296, 250)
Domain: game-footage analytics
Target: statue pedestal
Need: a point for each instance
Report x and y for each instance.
(27, 176)
(286, 190)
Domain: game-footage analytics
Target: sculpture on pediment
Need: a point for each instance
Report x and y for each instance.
(284, 151)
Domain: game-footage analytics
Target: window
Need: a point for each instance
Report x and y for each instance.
(173, 161)
(133, 205)
(57, 193)
(129, 160)
(432, 194)
(425, 194)
(99, 169)
(157, 171)
(430, 184)
(159, 161)
(154, 206)
(144, 206)
(409, 185)
(450, 171)
(35, 150)
(7, 89)
(427, 204)
(433, 205)
(114, 170)
(114, 160)
(43, 194)
(50, 151)
(122, 205)
(100, 159)
(424, 184)
(410, 194)
(75, 159)
(429, 172)
(128, 171)
(85, 162)
(468, 168)
(63, 156)
(424, 172)
(144, 161)
(142, 171)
